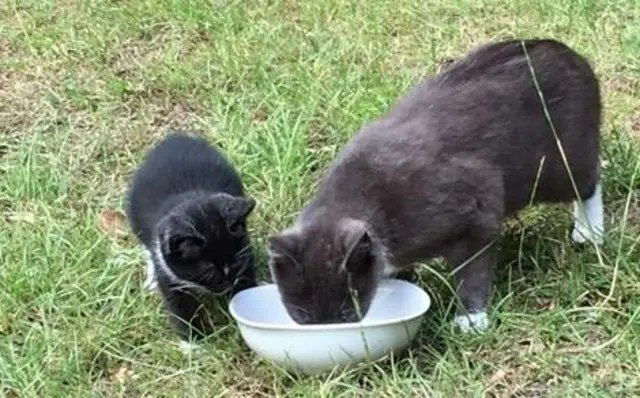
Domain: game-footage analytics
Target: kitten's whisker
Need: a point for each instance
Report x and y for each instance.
(246, 250)
(186, 285)
(238, 280)
(242, 268)
(240, 260)
(222, 293)
(203, 275)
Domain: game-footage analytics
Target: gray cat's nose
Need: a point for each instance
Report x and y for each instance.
(226, 270)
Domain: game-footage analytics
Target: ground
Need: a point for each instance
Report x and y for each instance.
(87, 86)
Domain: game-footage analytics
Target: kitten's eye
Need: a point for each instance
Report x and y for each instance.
(238, 228)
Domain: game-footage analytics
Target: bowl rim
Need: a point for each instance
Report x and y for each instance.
(337, 326)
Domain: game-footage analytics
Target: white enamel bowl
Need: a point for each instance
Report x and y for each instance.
(391, 323)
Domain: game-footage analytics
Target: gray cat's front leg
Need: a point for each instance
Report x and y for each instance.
(472, 260)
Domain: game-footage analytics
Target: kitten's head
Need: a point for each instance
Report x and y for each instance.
(203, 240)
(326, 271)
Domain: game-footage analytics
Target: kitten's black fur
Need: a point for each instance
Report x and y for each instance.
(437, 175)
(188, 209)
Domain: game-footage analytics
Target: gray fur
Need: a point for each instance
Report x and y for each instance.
(438, 173)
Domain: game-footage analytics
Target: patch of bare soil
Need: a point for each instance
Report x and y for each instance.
(20, 103)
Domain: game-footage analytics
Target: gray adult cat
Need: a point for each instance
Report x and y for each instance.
(438, 174)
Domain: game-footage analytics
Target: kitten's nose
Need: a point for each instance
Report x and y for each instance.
(226, 270)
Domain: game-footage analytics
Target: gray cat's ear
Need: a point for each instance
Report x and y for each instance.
(282, 251)
(360, 256)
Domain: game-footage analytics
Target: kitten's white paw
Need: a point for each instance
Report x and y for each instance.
(150, 285)
(478, 322)
(188, 348)
(150, 282)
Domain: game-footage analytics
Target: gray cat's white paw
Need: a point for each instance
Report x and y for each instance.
(582, 235)
(589, 219)
(476, 322)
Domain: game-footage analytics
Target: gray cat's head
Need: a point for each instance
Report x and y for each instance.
(326, 270)
(203, 240)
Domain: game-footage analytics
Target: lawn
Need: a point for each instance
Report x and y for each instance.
(87, 86)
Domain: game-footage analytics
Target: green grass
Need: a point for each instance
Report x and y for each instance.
(87, 86)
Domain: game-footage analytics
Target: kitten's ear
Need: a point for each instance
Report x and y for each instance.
(186, 248)
(360, 250)
(236, 211)
(282, 251)
(243, 207)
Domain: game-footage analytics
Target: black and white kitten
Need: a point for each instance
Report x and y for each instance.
(436, 176)
(187, 207)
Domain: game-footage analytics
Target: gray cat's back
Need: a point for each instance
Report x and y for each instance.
(484, 108)
(492, 89)
(508, 106)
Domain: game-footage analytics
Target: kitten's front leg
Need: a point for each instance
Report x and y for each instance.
(187, 313)
(150, 282)
(472, 260)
